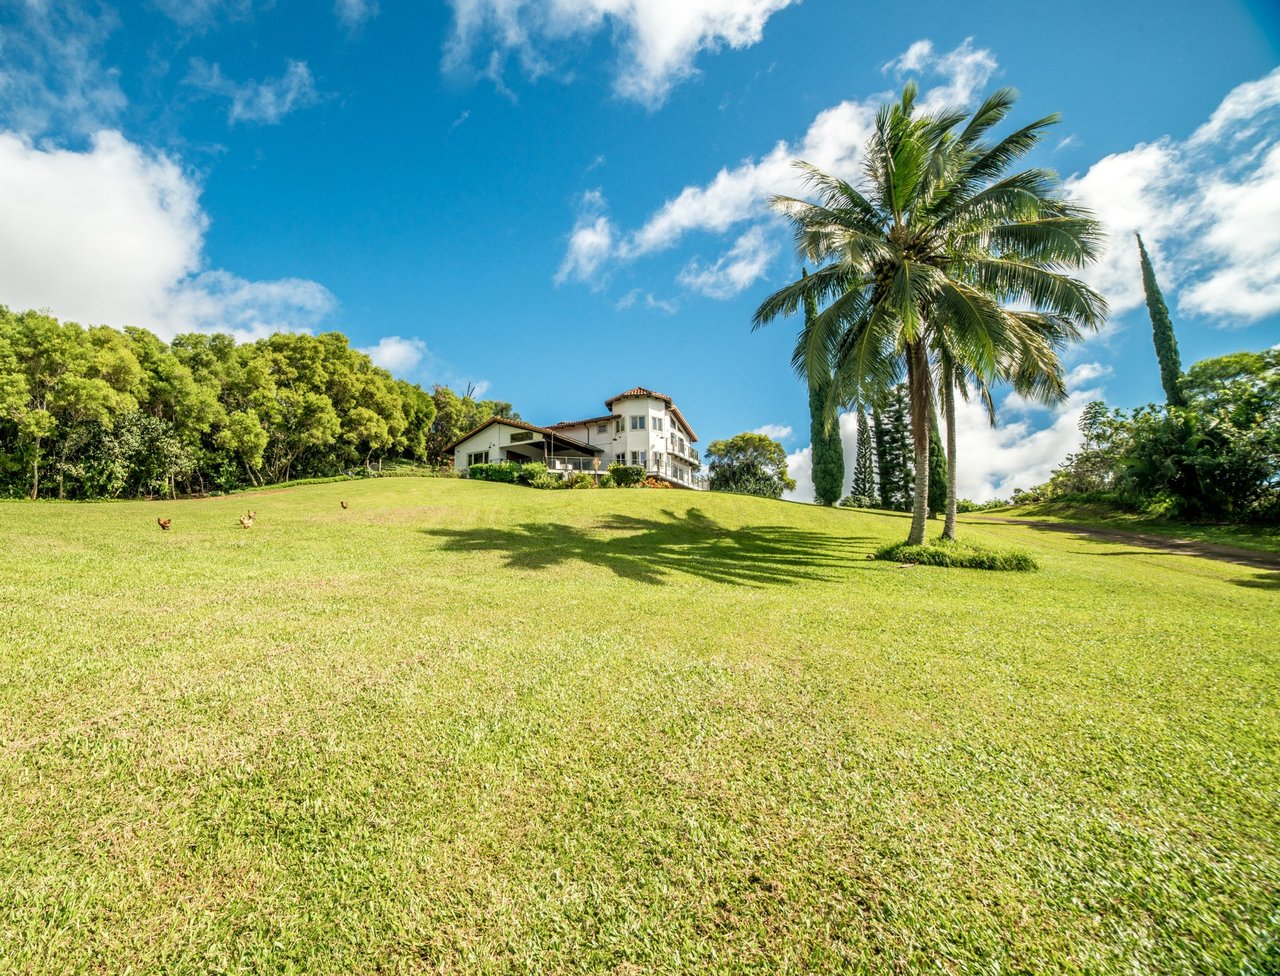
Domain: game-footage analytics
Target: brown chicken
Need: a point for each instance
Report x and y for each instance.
(252, 515)
(246, 522)
(163, 523)
(343, 504)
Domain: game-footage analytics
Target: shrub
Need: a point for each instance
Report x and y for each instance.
(654, 483)
(503, 471)
(529, 471)
(548, 481)
(958, 555)
(966, 505)
(582, 480)
(626, 475)
(856, 501)
(606, 481)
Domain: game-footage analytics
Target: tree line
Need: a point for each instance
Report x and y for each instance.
(98, 412)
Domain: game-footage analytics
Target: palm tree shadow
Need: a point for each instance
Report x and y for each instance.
(650, 550)
(1263, 581)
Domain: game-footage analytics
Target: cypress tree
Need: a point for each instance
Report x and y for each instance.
(864, 475)
(937, 470)
(1162, 333)
(828, 452)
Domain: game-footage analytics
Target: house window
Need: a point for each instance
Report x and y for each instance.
(657, 424)
(521, 435)
(618, 427)
(635, 457)
(602, 428)
(637, 422)
(643, 463)
(479, 457)
(622, 459)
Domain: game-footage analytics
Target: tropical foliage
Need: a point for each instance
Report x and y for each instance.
(1217, 457)
(938, 254)
(749, 463)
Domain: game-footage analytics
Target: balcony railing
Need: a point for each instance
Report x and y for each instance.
(567, 466)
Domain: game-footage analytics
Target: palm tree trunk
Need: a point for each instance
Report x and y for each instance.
(918, 390)
(949, 408)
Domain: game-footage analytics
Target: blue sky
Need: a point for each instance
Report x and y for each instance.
(559, 199)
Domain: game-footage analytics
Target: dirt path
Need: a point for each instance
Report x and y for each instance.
(1162, 543)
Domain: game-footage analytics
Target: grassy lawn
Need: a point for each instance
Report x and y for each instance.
(1264, 538)
(465, 727)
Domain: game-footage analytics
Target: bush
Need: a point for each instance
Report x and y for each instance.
(502, 471)
(654, 483)
(626, 475)
(606, 481)
(529, 471)
(582, 480)
(548, 481)
(966, 505)
(958, 555)
(856, 501)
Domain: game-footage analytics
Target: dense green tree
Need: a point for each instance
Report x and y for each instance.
(749, 463)
(100, 412)
(940, 236)
(864, 474)
(1162, 335)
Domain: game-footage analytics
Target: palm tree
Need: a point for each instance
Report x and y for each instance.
(1034, 370)
(939, 247)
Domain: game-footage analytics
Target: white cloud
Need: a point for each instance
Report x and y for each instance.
(779, 432)
(966, 68)
(52, 78)
(353, 14)
(833, 141)
(267, 101)
(1208, 209)
(200, 14)
(659, 39)
(630, 299)
(401, 356)
(115, 234)
(737, 269)
(590, 243)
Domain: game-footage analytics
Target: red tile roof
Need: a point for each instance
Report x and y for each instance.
(640, 391)
(637, 391)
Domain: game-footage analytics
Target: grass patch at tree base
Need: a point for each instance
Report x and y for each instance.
(958, 555)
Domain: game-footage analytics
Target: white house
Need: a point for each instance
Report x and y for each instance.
(642, 428)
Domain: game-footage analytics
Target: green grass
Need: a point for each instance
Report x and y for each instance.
(466, 727)
(1261, 537)
(958, 554)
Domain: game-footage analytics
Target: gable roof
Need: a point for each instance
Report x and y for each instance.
(545, 431)
(640, 391)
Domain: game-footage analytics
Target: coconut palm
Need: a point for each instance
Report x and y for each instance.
(939, 245)
(1034, 370)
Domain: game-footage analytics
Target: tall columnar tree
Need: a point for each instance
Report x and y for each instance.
(1162, 333)
(864, 474)
(937, 470)
(824, 431)
(939, 235)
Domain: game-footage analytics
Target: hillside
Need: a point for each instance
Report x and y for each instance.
(471, 727)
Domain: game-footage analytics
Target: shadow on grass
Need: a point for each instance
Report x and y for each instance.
(648, 550)
(1263, 581)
